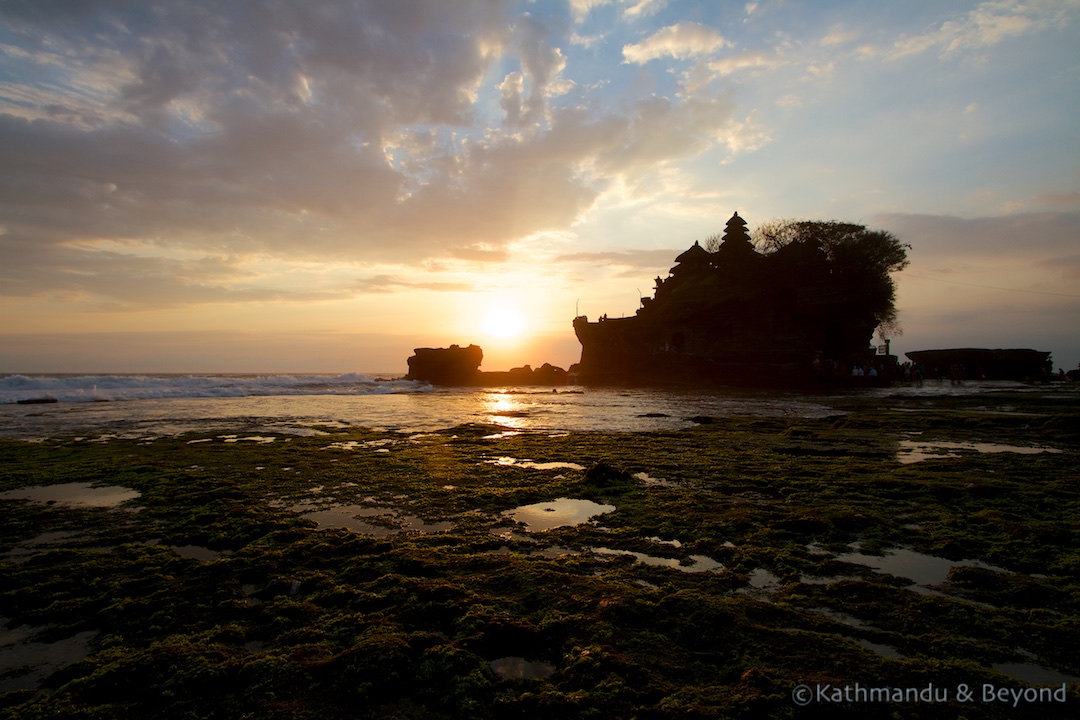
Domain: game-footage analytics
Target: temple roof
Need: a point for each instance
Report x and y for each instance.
(696, 253)
(735, 222)
(736, 243)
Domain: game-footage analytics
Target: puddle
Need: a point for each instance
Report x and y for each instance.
(24, 663)
(80, 494)
(762, 584)
(350, 445)
(52, 538)
(696, 564)
(514, 462)
(825, 579)
(1035, 674)
(501, 435)
(912, 451)
(919, 568)
(843, 618)
(762, 579)
(260, 439)
(298, 431)
(555, 551)
(372, 521)
(518, 668)
(557, 513)
(654, 482)
(196, 552)
(883, 650)
(415, 524)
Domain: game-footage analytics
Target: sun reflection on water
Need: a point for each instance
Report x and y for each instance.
(505, 410)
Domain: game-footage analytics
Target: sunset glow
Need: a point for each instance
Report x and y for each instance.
(322, 187)
(504, 323)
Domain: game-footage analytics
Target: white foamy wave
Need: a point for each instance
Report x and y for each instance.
(99, 388)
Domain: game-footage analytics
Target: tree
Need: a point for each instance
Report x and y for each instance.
(844, 271)
(860, 260)
(712, 243)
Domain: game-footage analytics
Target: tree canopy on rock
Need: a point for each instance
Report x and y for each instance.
(854, 260)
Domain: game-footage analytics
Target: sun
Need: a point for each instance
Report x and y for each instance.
(504, 323)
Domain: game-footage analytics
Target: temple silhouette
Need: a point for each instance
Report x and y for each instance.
(736, 314)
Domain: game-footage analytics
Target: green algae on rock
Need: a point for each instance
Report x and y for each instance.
(219, 598)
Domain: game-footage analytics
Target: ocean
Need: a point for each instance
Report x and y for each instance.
(172, 404)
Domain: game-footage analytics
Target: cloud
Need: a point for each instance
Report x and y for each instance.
(541, 67)
(392, 283)
(1067, 266)
(644, 8)
(838, 36)
(1068, 200)
(337, 131)
(633, 9)
(107, 281)
(988, 24)
(680, 41)
(250, 122)
(636, 259)
(752, 60)
(1030, 236)
(580, 9)
(206, 351)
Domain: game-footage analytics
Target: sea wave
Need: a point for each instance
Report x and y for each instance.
(99, 388)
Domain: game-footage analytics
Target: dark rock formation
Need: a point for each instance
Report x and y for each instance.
(983, 364)
(602, 475)
(807, 308)
(546, 374)
(454, 365)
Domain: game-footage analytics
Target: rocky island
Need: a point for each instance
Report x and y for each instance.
(805, 306)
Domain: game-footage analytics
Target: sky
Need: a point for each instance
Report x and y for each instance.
(277, 186)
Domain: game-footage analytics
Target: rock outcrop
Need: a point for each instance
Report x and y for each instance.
(454, 365)
(738, 315)
(460, 366)
(983, 364)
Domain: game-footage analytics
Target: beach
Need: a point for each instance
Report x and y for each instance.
(358, 546)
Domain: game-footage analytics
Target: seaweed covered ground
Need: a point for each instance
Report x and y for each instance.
(885, 561)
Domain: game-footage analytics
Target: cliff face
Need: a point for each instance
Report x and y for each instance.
(734, 314)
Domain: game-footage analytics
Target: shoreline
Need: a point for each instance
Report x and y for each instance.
(743, 557)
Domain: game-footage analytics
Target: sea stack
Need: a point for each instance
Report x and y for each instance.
(454, 365)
